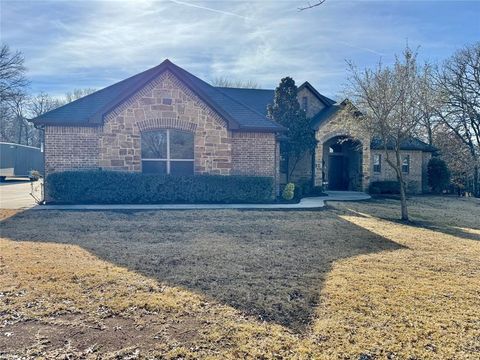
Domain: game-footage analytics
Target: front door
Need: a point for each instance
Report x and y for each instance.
(337, 177)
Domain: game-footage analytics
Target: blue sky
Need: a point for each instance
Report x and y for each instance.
(77, 44)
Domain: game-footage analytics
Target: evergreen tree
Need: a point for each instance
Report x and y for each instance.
(286, 111)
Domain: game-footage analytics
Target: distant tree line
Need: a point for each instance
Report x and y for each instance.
(17, 106)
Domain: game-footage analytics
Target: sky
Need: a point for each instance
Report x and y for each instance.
(93, 44)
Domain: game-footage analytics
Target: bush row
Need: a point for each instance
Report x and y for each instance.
(114, 187)
(384, 187)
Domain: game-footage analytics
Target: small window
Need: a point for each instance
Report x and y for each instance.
(377, 163)
(168, 152)
(406, 164)
(305, 103)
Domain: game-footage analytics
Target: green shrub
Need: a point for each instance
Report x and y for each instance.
(384, 187)
(288, 191)
(438, 174)
(115, 187)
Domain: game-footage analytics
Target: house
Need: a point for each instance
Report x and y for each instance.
(167, 121)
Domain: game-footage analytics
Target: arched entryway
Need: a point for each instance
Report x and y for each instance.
(342, 164)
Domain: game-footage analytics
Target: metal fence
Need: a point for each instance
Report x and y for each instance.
(18, 160)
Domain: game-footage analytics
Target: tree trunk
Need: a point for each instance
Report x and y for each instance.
(403, 195)
(476, 184)
(403, 201)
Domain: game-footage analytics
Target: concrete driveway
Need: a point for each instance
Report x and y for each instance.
(15, 194)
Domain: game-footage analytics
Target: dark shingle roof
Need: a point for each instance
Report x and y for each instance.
(90, 110)
(257, 99)
(408, 144)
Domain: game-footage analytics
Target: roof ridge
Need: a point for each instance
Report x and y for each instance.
(95, 93)
(239, 88)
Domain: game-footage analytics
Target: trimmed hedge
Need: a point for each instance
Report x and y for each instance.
(384, 187)
(115, 187)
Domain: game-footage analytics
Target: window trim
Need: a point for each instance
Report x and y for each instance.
(377, 168)
(406, 157)
(168, 159)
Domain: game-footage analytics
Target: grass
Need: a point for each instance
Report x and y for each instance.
(340, 283)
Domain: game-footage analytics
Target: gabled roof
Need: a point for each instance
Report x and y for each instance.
(325, 100)
(323, 115)
(91, 109)
(407, 144)
(257, 99)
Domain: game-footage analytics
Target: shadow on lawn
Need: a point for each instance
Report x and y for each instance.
(427, 219)
(267, 264)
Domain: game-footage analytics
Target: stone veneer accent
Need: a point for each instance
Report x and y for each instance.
(334, 128)
(165, 103)
(416, 179)
(314, 104)
(71, 148)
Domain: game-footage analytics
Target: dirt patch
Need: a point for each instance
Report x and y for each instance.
(108, 336)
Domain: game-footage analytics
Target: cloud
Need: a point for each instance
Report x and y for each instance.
(208, 9)
(95, 43)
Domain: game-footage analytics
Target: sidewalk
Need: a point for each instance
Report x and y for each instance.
(305, 203)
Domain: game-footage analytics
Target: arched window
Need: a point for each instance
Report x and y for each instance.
(167, 151)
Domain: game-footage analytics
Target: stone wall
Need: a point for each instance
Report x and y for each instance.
(330, 130)
(415, 178)
(165, 103)
(71, 148)
(314, 104)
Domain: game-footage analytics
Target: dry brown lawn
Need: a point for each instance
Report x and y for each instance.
(347, 282)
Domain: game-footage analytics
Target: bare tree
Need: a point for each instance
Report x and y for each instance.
(77, 94)
(13, 84)
(225, 82)
(458, 82)
(311, 5)
(12, 74)
(429, 104)
(42, 103)
(389, 101)
(457, 156)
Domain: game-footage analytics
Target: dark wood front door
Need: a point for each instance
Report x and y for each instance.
(337, 172)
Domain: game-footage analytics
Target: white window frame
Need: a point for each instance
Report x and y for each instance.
(379, 156)
(168, 159)
(407, 158)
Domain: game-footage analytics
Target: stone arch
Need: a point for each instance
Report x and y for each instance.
(322, 157)
(166, 123)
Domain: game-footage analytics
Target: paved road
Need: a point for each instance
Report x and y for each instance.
(15, 194)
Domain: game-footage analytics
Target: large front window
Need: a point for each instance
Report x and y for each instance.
(167, 152)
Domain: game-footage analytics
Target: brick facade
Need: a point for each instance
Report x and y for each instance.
(165, 103)
(254, 154)
(71, 148)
